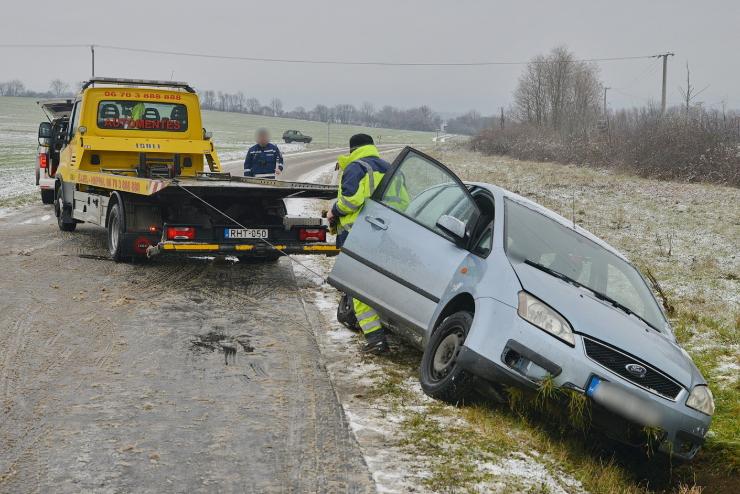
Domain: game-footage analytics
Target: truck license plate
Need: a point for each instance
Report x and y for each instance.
(237, 233)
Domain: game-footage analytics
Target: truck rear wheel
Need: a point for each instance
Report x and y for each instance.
(115, 232)
(63, 213)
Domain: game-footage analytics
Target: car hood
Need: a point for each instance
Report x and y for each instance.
(593, 317)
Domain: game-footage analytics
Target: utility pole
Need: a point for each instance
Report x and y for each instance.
(92, 53)
(605, 90)
(665, 79)
(328, 133)
(502, 118)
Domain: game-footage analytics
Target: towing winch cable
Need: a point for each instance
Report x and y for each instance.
(244, 227)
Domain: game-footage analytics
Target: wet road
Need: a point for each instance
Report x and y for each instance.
(177, 375)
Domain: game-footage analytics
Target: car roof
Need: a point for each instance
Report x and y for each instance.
(507, 194)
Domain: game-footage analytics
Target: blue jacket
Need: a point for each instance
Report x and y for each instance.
(263, 160)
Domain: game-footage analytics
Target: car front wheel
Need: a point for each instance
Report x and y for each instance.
(441, 377)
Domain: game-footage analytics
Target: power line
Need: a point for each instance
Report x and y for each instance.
(36, 45)
(318, 62)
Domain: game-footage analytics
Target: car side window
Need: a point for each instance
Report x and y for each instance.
(423, 191)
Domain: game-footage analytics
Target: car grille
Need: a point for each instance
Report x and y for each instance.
(617, 361)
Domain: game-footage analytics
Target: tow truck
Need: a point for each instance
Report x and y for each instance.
(136, 160)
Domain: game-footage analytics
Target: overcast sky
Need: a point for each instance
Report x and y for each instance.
(705, 33)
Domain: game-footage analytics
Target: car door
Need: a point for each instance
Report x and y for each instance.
(397, 258)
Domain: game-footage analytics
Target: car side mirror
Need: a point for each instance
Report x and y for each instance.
(452, 226)
(44, 130)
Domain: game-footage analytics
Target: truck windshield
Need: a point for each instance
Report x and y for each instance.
(142, 115)
(533, 237)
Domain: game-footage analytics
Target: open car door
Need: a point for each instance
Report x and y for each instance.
(408, 241)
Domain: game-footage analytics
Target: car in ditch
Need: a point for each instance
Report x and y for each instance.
(496, 288)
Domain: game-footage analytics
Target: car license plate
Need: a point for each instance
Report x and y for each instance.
(592, 385)
(239, 233)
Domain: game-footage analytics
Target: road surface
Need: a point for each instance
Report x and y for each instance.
(122, 378)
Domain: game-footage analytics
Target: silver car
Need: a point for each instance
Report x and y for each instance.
(495, 287)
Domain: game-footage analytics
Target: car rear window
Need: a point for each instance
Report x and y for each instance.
(142, 115)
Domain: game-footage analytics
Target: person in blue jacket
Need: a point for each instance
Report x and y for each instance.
(264, 159)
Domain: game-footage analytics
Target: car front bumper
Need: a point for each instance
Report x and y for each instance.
(498, 334)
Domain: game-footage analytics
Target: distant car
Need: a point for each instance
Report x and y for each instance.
(494, 287)
(47, 160)
(296, 136)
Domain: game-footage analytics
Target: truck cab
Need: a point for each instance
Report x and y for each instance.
(135, 159)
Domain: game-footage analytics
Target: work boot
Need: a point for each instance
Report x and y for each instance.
(377, 343)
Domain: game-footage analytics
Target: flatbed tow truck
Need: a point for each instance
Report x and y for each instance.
(136, 160)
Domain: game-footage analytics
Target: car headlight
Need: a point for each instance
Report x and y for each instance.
(701, 399)
(544, 317)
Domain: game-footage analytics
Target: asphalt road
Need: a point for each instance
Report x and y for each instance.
(175, 375)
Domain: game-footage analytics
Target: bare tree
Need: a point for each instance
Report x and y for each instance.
(58, 87)
(689, 93)
(252, 105)
(277, 107)
(12, 88)
(239, 102)
(559, 92)
(367, 110)
(208, 100)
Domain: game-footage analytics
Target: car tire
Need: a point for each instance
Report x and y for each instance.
(115, 229)
(47, 196)
(440, 376)
(287, 141)
(346, 313)
(63, 213)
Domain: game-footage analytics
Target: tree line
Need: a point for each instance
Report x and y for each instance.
(557, 115)
(421, 118)
(16, 87)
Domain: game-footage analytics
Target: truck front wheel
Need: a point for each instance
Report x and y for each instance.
(115, 232)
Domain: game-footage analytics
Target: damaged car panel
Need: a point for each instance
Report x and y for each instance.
(493, 286)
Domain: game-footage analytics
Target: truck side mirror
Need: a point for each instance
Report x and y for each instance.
(44, 130)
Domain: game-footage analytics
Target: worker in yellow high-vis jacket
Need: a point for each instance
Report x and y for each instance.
(361, 172)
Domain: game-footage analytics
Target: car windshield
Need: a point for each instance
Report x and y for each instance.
(533, 237)
(142, 115)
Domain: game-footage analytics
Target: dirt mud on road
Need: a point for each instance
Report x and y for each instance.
(174, 375)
